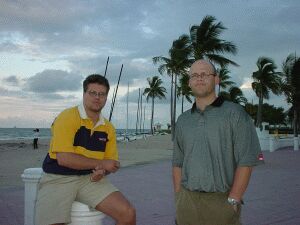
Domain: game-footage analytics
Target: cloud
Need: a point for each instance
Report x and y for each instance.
(8, 46)
(53, 81)
(59, 36)
(134, 96)
(3, 91)
(12, 80)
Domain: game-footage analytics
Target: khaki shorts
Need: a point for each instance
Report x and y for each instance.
(57, 193)
(201, 208)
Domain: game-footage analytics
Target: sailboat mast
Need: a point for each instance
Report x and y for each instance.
(127, 99)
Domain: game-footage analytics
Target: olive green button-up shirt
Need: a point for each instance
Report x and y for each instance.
(209, 145)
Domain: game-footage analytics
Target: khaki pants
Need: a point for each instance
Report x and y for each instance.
(58, 192)
(201, 208)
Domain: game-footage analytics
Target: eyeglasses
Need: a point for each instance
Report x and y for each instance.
(195, 76)
(97, 94)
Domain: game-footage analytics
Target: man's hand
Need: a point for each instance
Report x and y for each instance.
(110, 165)
(235, 208)
(98, 174)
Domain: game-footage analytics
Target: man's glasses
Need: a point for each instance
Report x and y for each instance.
(97, 94)
(195, 76)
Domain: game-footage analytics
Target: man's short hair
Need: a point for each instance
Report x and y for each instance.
(213, 66)
(208, 62)
(95, 78)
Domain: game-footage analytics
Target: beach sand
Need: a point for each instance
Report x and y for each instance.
(18, 155)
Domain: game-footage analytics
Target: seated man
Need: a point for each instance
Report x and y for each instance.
(82, 152)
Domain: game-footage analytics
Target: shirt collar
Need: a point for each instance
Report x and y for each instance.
(83, 115)
(216, 103)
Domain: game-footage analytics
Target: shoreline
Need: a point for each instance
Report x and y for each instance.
(18, 155)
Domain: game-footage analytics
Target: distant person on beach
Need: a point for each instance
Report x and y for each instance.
(35, 138)
(215, 148)
(82, 152)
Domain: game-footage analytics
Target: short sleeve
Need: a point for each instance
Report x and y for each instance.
(63, 132)
(246, 144)
(178, 154)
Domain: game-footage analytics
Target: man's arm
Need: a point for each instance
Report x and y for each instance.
(79, 162)
(240, 182)
(176, 178)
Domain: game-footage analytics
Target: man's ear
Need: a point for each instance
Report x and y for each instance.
(217, 79)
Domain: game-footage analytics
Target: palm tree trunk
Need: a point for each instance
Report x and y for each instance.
(175, 100)
(259, 112)
(295, 119)
(182, 99)
(172, 125)
(152, 115)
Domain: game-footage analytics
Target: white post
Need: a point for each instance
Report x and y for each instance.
(80, 214)
(296, 144)
(31, 178)
(272, 143)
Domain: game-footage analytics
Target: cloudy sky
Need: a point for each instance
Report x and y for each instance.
(48, 47)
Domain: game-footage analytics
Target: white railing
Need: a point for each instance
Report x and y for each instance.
(276, 143)
(272, 143)
(80, 213)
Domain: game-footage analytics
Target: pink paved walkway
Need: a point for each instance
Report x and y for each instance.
(273, 196)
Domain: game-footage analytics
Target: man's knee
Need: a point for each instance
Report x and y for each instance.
(128, 215)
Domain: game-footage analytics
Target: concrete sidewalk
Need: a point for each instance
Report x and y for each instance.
(272, 198)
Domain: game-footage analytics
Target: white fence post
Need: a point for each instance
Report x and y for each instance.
(31, 178)
(80, 214)
(296, 143)
(272, 143)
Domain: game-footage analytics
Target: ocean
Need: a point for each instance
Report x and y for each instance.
(45, 133)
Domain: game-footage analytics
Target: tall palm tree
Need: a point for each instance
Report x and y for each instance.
(223, 73)
(176, 64)
(235, 95)
(203, 42)
(206, 42)
(266, 80)
(291, 86)
(155, 90)
(184, 90)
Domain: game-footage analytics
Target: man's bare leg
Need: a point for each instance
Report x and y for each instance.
(118, 207)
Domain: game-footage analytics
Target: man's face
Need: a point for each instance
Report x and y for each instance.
(95, 97)
(202, 79)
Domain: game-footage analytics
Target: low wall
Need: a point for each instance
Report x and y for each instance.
(272, 143)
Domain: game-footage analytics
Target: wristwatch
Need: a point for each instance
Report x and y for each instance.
(232, 201)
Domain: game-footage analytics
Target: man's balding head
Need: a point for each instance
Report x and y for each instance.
(204, 62)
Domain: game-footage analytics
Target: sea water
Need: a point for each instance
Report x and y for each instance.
(45, 133)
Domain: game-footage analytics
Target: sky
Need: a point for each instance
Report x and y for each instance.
(47, 48)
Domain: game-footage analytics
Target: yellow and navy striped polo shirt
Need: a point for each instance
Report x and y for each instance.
(72, 131)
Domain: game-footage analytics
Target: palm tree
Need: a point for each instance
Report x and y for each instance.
(224, 78)
(155, 90)
(235, 95)
(206, 42)
(203, 42)
(176, 64)
(266, 80)
(291, 86)
(184, 90)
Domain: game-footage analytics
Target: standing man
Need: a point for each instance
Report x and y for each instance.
(215, 148)
(35, 138)
(82, 152)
